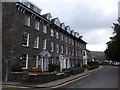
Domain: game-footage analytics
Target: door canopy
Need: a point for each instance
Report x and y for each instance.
(45, 54)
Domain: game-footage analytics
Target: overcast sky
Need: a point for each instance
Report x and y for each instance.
(91, 18)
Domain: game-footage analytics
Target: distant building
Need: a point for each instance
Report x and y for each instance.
(98, 56)
(34, 40)
(86, 56)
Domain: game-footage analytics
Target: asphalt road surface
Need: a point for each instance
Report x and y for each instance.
(106, 77)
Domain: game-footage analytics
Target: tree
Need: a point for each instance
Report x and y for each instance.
(113, 50)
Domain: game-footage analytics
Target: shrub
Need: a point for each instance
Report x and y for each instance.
(86, 66)
(76, 70)
(54, 67)
(93, 63)
(16, 68)
(93, 67)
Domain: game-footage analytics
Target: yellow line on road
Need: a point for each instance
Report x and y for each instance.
(71, 81)
(15, 86)
(76, 79)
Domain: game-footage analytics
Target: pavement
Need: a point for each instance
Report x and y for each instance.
(52, 83)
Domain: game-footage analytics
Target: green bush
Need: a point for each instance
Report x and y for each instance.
(93, 67)
(93, 63)
(76, 70)
(54, 67)
(16, 68)
(86, 66)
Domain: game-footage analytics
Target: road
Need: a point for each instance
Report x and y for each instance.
(107, 77)
(104, 78)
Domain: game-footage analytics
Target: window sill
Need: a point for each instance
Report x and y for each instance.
(25, 46)
(24, 68)
(26, 25)
(36, 47)
(37, 29)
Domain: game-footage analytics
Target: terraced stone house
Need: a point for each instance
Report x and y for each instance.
(35, 40)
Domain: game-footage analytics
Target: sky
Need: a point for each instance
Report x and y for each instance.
(91, 18)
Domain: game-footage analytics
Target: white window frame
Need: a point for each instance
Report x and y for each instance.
(76, 52)
(69, 51)
(45, 28)
(37, 25)
(26, 67)
(72, 52)
(57, 35)
(36, 42)
(66, 50)
(57, 48)
(27, 40)
(62, 37)
(69, 41)
(72, 42)
(36, 60)
(76, 43)
(44, 44)
(52, 33)
(62, 48)
(52, 46)
(66, 39)
(27, 20)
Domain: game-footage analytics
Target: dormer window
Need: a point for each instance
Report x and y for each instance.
(56, 21)
(72, 32)
(68, 29)
(62, 26)
(76, 34)
(47, 16)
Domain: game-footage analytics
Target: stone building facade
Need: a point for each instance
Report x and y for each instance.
(34, 40)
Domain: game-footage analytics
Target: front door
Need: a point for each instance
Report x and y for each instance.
(44, 64)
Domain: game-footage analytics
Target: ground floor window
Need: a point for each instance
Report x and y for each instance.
(35, 60)
(52, 60)
(24, 61)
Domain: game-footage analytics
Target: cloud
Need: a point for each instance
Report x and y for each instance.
(91, 18)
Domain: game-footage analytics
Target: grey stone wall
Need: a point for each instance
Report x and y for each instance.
(36, 78)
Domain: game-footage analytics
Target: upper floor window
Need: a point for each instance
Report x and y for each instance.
(25, 41)
(36, 42)
(52, 33)
(76, 52)
(83, 53)
(62, 49)
(37, 25)
(76, 43)
(62, 38)
(66, 39)
(52, 60)
(44, 28)
(44, 44)
(66, 50)
(27, 20)
(24, 61)
(57, 48)
(72, 52)
(72, 42)
(52, 47)
(57, 35)
(69, 51)
(69, 41)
